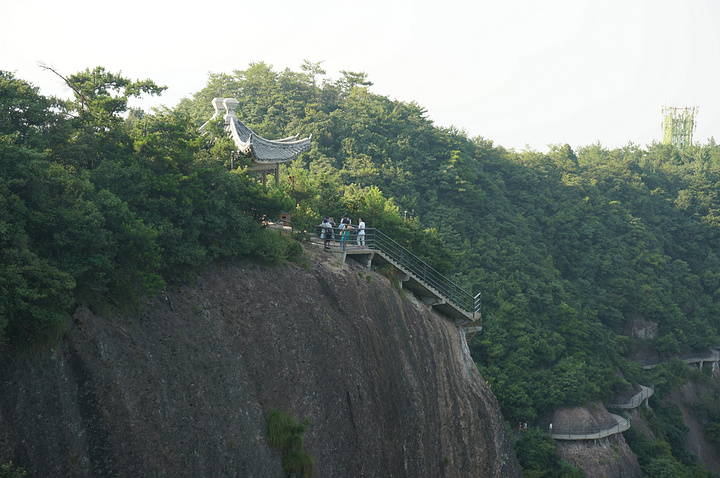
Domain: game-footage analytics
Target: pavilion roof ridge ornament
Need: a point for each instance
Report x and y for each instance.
(264, 152)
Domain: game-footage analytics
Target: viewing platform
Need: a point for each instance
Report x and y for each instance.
(415, 275)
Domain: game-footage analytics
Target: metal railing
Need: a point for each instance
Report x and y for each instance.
(376, 241)
(710, 356)
(621, 425)
(636, 400)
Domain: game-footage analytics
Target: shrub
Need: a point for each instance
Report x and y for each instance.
(293, 249)
(269, 246)
(8, 470)
(285, 433)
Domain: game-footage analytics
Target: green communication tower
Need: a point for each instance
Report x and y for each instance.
(679, 125)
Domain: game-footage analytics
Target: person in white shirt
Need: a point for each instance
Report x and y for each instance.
(361, 233)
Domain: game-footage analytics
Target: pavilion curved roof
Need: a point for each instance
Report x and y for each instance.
(261, 150)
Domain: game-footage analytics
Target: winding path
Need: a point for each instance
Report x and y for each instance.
(644, 394)
(713, 355)
(620, 426)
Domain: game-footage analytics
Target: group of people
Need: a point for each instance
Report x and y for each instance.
(522, 426)
(329, 228)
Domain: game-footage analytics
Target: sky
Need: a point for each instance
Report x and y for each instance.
(525, 74)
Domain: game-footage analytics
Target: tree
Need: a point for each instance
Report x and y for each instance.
(25, 115)
(96, 112)
(101, 97)
(313, 71)
(35, 293)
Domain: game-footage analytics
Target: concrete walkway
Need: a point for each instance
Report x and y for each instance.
(712, 356)
(593, 433)
(637, 400)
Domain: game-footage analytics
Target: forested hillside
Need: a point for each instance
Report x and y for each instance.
(100, 204)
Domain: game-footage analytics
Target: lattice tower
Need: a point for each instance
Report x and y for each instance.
(679, 125)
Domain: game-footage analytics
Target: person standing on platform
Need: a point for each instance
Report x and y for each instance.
(361, 233)
(333, 227)
(344, 234)
(326, 233)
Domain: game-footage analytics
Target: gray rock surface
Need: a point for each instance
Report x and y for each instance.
(182, 388)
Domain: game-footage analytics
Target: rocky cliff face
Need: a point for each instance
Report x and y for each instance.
(182, 388)
(696, 441)
(603, 458)
(606, 457)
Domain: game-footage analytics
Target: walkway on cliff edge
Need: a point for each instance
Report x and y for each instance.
(713, 355)
(596, 433)
(434, 289)
(640, 397)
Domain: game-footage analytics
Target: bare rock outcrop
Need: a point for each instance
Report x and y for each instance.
(182, 388)
(605, 457)
(641, 329)
(695, 440)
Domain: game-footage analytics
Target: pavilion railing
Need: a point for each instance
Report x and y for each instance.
(401, 257)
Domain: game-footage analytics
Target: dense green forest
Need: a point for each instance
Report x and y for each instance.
(102, 204)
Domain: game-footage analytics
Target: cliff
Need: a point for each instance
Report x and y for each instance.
(605, 457)
(182, 388)
(696, 442)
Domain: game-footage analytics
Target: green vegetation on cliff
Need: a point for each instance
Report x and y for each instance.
(99, 209)
(286, 434)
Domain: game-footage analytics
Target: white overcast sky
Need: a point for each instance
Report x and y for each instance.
(522, 73)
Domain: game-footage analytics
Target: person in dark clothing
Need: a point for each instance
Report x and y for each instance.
(326, 233)
(333, 228)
